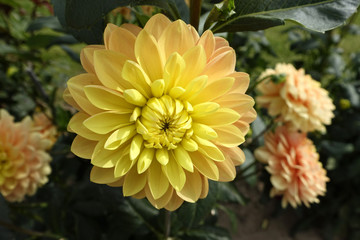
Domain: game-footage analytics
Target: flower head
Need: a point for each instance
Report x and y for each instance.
(296, 172)
(43, 125)
(298, 100)
(161, 111)
(24, 164)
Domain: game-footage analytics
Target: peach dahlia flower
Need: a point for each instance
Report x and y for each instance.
(299, 100)
(24, 163)
(296, 172)
(43, 124)
(161, 111)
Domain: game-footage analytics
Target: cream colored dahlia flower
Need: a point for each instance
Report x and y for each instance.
(161, 111)
(298, 101)
(24, 163)
(296, 172)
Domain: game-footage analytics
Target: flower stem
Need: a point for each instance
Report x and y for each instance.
(195, 10)
(167, 223)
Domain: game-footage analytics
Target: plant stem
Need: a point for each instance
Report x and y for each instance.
(195, 11)
(167, 223)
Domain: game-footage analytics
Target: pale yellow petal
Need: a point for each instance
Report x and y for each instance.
(227, 170)
(132, 28)
(229, 136)
(174, 69)
(102, 175)
(205, 186)
(221, 42)
(133, 96)
(163, 200)
(156, 25)
(76, 125)
(108, 32)
(215, 89)
(134, 182)
(221, 66)
(106, 122)
(205, 165)
(241, 83)
(70, 100)
(123, 165)
(145, 159)
(183, 158)
(135, 75)
(120, 136)
(209, 149)
(207, 40)
(162, 155)
(158, 88)
(113, 100)
(106, 158)
(136, 146)
(204, 131)
(175, 173)
(157, 180)
(87, 57)
(83, 147)
(194, 87)
(239, 102)
(149, 56)
(236, 155)
(123, 41)
(174, 203)
(189, 145)
(202, 110)
(192, 188)
(223, 116)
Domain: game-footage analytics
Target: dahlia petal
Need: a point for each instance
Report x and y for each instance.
(241, 83)
(113, 100)
(120, 136)
(176, 92)
(204, 186)
(220, 66)
(158, 88)
(215, 89)
(108, 66)
(229, 136)
(131, 28)
(236, 155)
(76, 87)
(145, 159)
(174, 203)
(105, 158)
(227, 170)
(76, 125)
(127, 40)
(221, 42)
(163, 200)
(149, 56)
(109, 29)
(175, 173)
(174, 69)
(134, 182)
(204, 109)
(133, 96)
(135, 114)
(194, 87)
(123, 165)
(278, 182)
(177, 37)
(157, 181)
(204, 131)
(135, 147)
(237, 101)
(195, 56)
(102, 175)
(192, 188)
(106, 122)
(205, 166)
(189, 145)
(135, 75)
(87, 57)
(183, 158)
(209, 149)
(70, 100)
(223, 116)
(156, 25)
(83, 147)
(207, 40)
(162, 155)
(118, 183)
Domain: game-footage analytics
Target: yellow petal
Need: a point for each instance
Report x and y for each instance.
(177, 37)
(123, 41)
(192, 188)
(278, 182)
(134, 182)
(205, 186)
(149, 56)
(157, 181)
(239, 102)
(176, 92)
(174, 203)
(145, 159)
(158, 87)
(132, 28)
(120, 136)
(136, 76)
(162, 155)
(205, 166)
(174, 68)
(227, 170)
(194, 87)
(110, 28)
(204, 109)
(70, 100)
(183, 158)
(229, 136)
(223, 116)
(204, 131)
(106, 122)
(76, 125)
(117, 183)
(209, 149)
(189, 145)
(123, 165)
(83, 147)
(175, 173)
(207, 40)
(87, 57)
(108, 66)
(213, 90)
(221, 42)
(76, 87)
(102, 175)
(163, 200)
(135, 147)
(221, 66)
(106, 158)
(107, 99)
(156, 25)
(133, 96)
(241, 83)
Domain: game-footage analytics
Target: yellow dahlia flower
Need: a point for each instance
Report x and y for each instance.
(24, 163)
(296, 172)
(161, 111)
(299, 100)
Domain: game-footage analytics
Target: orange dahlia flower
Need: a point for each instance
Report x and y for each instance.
(24, 164)
(298, 100)
(296, 172)
(43, 124)
(161, 111)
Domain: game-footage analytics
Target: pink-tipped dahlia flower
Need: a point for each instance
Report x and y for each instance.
(24, 163)
(161, 111)
(298, 101)
(296, 172)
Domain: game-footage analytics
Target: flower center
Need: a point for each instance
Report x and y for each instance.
(164, 122)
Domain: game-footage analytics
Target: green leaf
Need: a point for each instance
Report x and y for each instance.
(208, 233)
(317, 15)
(228, 193)
(221, 11)
(44, 22)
